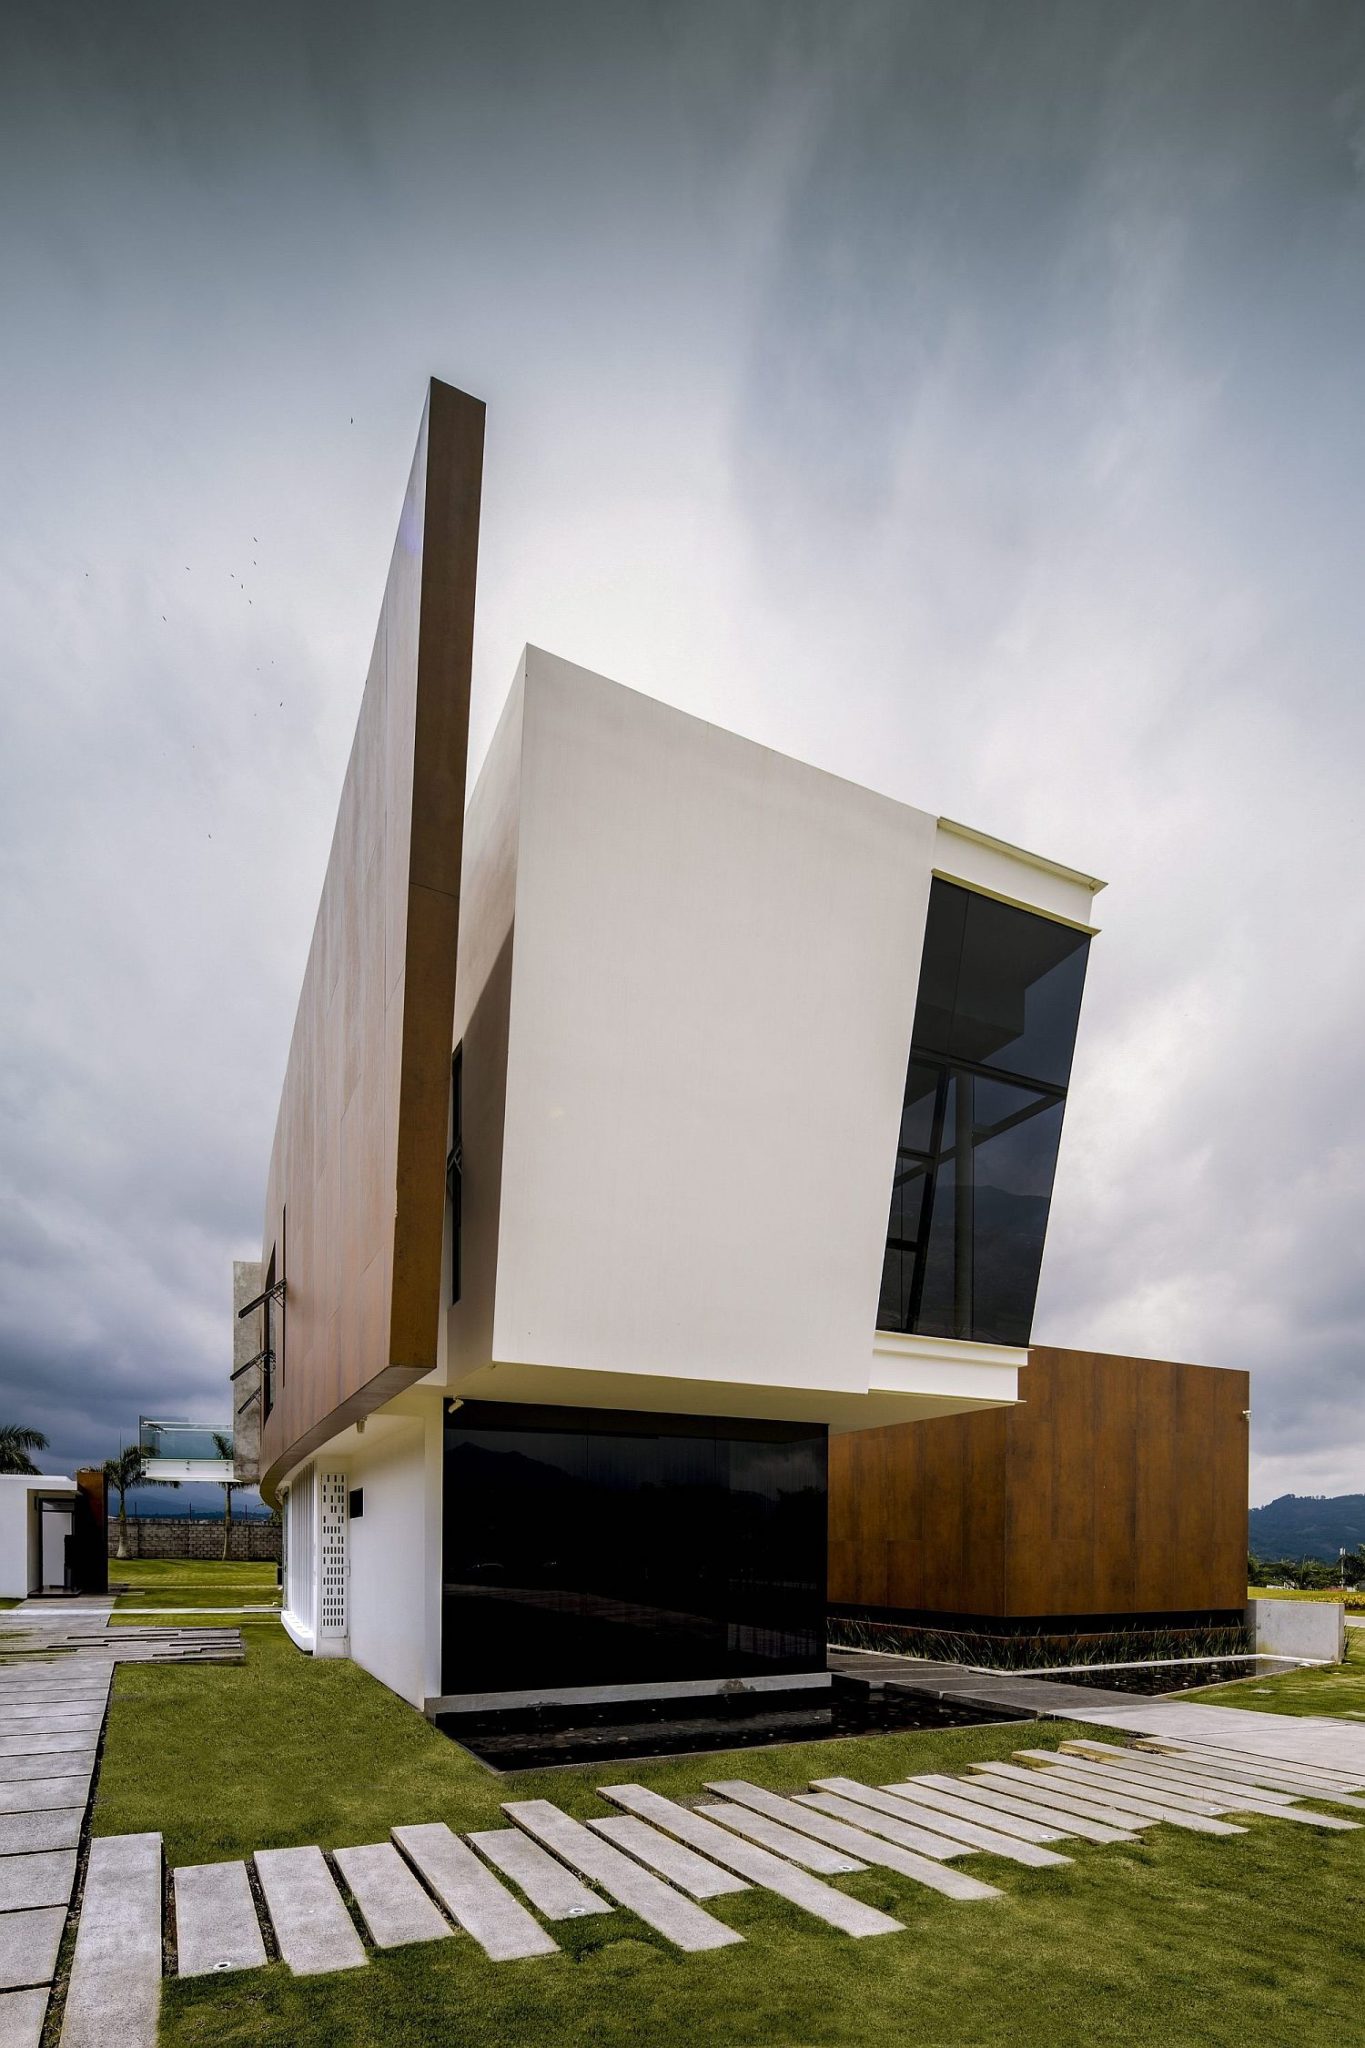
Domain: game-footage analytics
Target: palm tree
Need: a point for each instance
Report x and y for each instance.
(15, 1444)
(127, 1470)
(223, 1445)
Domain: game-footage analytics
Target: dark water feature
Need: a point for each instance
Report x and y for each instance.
(535, 1738)
(539, 1738)
(1152, 1679)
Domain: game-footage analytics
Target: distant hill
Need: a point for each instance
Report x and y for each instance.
(1307, 1525)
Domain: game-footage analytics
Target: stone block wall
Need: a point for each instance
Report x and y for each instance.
(169, 1536)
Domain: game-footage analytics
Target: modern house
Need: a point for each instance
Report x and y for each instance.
(672, 1110)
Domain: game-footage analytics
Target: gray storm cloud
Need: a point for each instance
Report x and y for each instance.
(966, 399)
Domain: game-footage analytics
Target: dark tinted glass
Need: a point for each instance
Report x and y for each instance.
(1018, 991)
(1000, 992)
(586, 1547)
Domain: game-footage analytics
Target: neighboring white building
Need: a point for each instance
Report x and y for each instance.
(716, 1013)
(37, 1527)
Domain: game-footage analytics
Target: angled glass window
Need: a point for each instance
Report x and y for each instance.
(995, 1027)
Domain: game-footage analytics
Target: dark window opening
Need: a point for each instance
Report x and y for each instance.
(588, 1547)
(995, 1028)
(455, 1166)
(355, 1503)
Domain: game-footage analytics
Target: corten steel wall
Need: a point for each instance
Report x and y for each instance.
(355, 1205)
(1118, 1487)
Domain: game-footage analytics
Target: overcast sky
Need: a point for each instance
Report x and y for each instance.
(967, 398)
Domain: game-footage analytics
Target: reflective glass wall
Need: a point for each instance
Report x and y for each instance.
(588, 1547)
(995, 1027)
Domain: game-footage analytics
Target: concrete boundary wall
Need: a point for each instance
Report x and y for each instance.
(1299, 1628)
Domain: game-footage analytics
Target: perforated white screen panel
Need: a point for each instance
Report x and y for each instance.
(332, 1577)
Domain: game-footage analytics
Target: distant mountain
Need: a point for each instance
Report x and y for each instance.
(1307, 1525)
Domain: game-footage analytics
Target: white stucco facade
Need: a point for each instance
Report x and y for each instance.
(686, 988)
(31, 1558)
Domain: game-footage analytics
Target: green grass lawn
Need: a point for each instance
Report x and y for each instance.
(172, 1582)
(1179, 1939)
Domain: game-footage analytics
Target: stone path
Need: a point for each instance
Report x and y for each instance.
(56, 1668)
(1215, 1771)
(656, 1858)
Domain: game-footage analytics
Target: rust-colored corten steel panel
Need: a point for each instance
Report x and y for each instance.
(1119, 1486)
(355, 1206)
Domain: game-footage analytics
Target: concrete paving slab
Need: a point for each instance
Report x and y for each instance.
(44, 1745)
(1293, 1779)
(471, 1894)
(1132, 1788)
(759, 1865)
(1157, 1771)
(114, 1992)
(28, 1946)
(1195, 1817)
(312, 1927)
(688, 1926)
(552, 1889)
(802, 1850)
(56, 1828)
(69, 1764)
(33, 1795)
(21, 2017)
(392, 1904)
(43, 1878)
(879, 1816)
(1226, 1795)
(922, 1868)
(954, 1807)
(671, 1859)
(997, 1797)
(79, 1723)
(1309, 1739)
(1349, 1780)
(216, 1928)
(1056, 1797)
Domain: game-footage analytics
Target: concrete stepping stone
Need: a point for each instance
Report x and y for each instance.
(803, 1850)
(216, 1927)
(1059, 1797)
(472, 1895)
(759, 1865)
(54, 1828)
(688, 1926)
(926, 1800)
(905, 1828)
(1222, 1792)
(54, 1744)
(392, 1904)
(992, 1797)
(1351, 1780)
(28, 1946)
(924, 1869)
(672, 1859)
(312, 1927)
(1132, 1788)
(31, 1794)
(1224, 1796)
(1196, 1816)
(44, 1878)
(21, 2017)
(1288, 1778)
(67, 1765)
(114, 1992)
(552, 1890)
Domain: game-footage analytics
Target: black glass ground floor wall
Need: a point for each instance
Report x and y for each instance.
(595, 1547)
